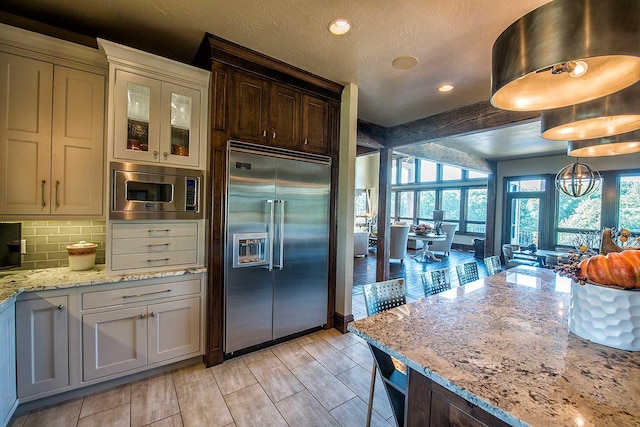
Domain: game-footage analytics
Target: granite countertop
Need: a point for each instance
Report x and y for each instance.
(18, 281)
(502, 343)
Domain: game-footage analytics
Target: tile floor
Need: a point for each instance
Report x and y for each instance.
(320, 379)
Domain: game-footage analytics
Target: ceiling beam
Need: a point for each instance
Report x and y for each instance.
(371, 135)
(449, 156)
(468, 120)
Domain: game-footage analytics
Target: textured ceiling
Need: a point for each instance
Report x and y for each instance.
(452, 40)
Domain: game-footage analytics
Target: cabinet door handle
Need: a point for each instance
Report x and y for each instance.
(158, 260)
(146, 293)
(60, 307)
(142, 316)
(264, 133)
(274, 135)
(42, 184)
(153, 314)
(57, 185)
(306, 141)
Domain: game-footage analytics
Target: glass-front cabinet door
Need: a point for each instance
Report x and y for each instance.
(156, 121)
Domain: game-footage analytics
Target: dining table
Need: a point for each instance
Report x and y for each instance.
(498, 352)
(424, 253)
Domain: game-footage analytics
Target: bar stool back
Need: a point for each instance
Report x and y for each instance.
(493, 265)
(467, 272)
(435, 281)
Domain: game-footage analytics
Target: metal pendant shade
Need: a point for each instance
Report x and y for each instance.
(577, 179)
(626, 143)
(603, 117)
(566, 52)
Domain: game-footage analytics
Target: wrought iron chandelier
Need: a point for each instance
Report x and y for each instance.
(577, 179)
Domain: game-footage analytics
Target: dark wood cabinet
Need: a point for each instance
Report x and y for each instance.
(250, 108)
(314, 124)
(284, 114)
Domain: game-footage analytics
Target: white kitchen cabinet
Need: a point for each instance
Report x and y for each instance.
(51, 139)
(128, 328)
(158, 110)
(42, 345)
(8, 397)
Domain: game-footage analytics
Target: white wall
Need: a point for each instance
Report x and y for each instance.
(550, 165)
(367, 176)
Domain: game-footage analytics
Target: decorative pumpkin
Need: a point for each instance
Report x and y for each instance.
(616, 268)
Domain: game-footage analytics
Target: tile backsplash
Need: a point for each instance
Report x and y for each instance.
(47, 241)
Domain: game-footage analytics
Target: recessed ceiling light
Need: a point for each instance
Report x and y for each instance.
(339, 27)
(445, 88)
(405, 62)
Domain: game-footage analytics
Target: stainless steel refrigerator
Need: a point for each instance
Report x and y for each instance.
(277, 252)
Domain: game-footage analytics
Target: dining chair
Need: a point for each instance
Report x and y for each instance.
(435, 281)
(493, 265)
(379, 297)
(467, 272)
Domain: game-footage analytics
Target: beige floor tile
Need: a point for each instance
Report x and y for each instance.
(251, 407)
(256, 356)
(276, 380)
(358, 380)
(106, 400)
(292, 354)
(115, 417)
(62, 415)
(354, 413)
(325, 387)
(202, 404)
(338, 339)
(231, 425)
(233, 375)
(18, 420)
(330, 357)
(191, 374)
(172, 421)
(309, 338)
(153, 399)
(360, 354)
(302, 409)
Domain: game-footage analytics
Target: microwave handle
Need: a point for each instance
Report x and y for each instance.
(271, 233)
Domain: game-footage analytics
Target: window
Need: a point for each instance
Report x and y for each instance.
(477, 204)
(408, 170)
(451, 173)
(426, 204)
(451, 204)
(526, 185)
(405, 205)
(578, 215)
(629, 203)
(428, 171)
(476, 175)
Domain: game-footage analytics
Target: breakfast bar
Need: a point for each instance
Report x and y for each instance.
(498, 352)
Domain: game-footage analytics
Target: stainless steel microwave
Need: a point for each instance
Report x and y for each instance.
(154, 192)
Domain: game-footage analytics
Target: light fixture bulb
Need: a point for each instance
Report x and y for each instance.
(339, 27)
(446, 88)
(578, 69)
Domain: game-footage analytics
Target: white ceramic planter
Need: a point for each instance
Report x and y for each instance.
(606, 315)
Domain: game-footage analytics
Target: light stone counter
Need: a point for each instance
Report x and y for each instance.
(18, 281)
(502, 343)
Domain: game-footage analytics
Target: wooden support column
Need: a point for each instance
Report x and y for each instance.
(384, 213)
(490, 228)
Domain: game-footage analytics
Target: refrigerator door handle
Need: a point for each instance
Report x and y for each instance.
(271, 231)
(281, 237)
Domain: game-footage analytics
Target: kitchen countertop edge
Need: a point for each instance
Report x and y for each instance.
(14, 283)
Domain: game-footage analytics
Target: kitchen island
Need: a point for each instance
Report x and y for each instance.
(498, 352)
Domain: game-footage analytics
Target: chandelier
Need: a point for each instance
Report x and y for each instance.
(577, 179)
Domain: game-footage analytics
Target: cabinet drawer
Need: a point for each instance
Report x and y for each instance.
(135, 294)
(153, 245)
(154, 231)
(149, 261)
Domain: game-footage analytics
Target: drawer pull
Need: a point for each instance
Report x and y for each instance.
(147, 293)
(158, 244)
(165, 230)
(158, 260)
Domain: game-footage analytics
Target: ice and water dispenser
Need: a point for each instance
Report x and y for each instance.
(250, 249)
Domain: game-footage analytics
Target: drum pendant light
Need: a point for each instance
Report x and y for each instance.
(625, 143)
(566, 52)
(577, 179)
(602, 117)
